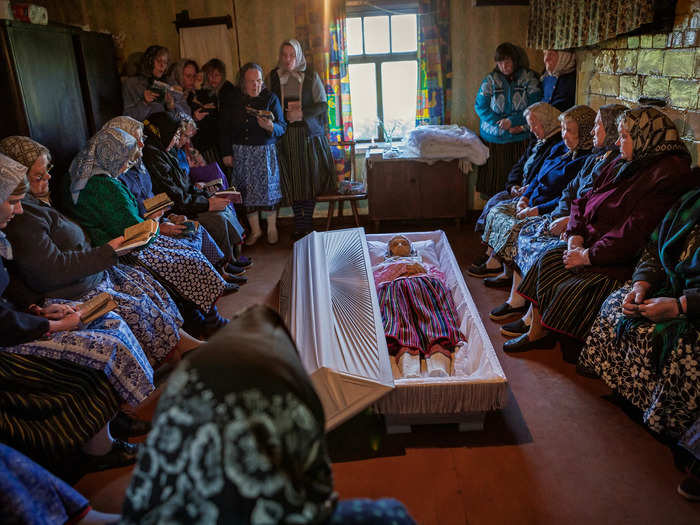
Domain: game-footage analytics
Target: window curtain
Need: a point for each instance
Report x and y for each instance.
(434, 63)
(554, 24)
(320, 28)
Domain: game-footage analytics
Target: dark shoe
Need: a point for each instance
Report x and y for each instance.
(523, 344)
(233, 269)
(689, 488)
(122, 454)
(237, 279)
(231, 288)
(243, 261)
(506, 311)
(125, 427)
(480, 260)
(213, 323)
(498, 282)
(480, 270)
(514, 329)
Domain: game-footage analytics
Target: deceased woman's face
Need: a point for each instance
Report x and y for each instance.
(625, 142)
(506, 66)
(569, 132)
(39, 176)
(400, 246)
(598, 132)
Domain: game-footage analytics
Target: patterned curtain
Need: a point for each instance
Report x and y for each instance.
(320, 28)
(557, 24)
(434, 63)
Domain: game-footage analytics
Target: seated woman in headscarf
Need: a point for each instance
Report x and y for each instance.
(607, 230)
(418, 311)
(251, 123)
(559, 79)
(645, 342)
(103, 205)
(543, 233)
(238, 437)
(147, 92)
(59, 385)
(546, 142)
(43, 236)
(31, 494)
(504, 222)
(138, 181)
(162, 133)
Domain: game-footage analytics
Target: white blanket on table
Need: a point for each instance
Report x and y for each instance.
(443, 142)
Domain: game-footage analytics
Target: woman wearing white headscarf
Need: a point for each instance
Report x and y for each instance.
(306, 162)
(559, 79)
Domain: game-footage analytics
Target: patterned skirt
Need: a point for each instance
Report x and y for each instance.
(668, 398)
(418, 312)
(30, 494)
(256, 174)
(568, 301)
(185, 269)
(493, 175)
(51, 406)
(533, 242)
(496, 199)
(502, 229)
(306, 163)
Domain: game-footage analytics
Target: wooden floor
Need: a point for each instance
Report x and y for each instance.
(561, 452)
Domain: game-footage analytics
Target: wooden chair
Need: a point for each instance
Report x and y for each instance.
(336, 197)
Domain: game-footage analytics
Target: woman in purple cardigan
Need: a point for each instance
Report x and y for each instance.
(608, 228)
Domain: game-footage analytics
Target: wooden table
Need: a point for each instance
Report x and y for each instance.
(409, 188)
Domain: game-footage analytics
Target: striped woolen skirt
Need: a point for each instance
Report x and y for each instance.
(49, 407)
(417, 313)
(568, 301)
(501, 230)
(493, 175)
(306, 165)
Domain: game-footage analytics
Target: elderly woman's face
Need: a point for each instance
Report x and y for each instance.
(215, 78)
(288, 57)
(550, 60)
(252, 82)
(598, 132)
(535, 126)
(160, 64)
(625, 142)
(39, 176)
(506, 66)
(400, 246)
(10, 208)
(569, 132)
(189, 74)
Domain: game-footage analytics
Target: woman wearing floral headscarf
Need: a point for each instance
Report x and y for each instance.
(103, 205)
(306, 162)
(608, 227)
(559, 79)
(60, 385)
(543, 232)
(504, 222)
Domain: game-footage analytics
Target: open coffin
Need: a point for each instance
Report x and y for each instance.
(329, 302)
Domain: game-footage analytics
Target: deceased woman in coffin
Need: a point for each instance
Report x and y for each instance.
(417, 309)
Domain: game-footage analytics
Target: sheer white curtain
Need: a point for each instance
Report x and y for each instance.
(207, 42)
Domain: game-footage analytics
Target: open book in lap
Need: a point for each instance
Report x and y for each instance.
(138, 235)
(157, 203)
(96, 307)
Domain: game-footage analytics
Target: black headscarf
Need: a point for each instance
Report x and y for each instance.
(160, 128)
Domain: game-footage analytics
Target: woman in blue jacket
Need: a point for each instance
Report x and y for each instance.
(559, 79)
(503, 96)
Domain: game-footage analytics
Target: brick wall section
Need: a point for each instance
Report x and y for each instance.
(658, 65)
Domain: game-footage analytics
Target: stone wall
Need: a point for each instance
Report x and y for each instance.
(664, 65)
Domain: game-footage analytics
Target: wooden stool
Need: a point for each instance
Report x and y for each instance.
(332, 198)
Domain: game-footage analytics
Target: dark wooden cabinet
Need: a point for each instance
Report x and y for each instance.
(411, 189)
(58, 85)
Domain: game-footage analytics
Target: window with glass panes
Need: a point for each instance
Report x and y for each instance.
(383, 70)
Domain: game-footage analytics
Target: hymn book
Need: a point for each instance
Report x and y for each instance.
(137, 235)
(215, 187)
(262, 113)
(157, 203)
(96, 307)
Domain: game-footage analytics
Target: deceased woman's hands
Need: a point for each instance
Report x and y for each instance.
(575, 258)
